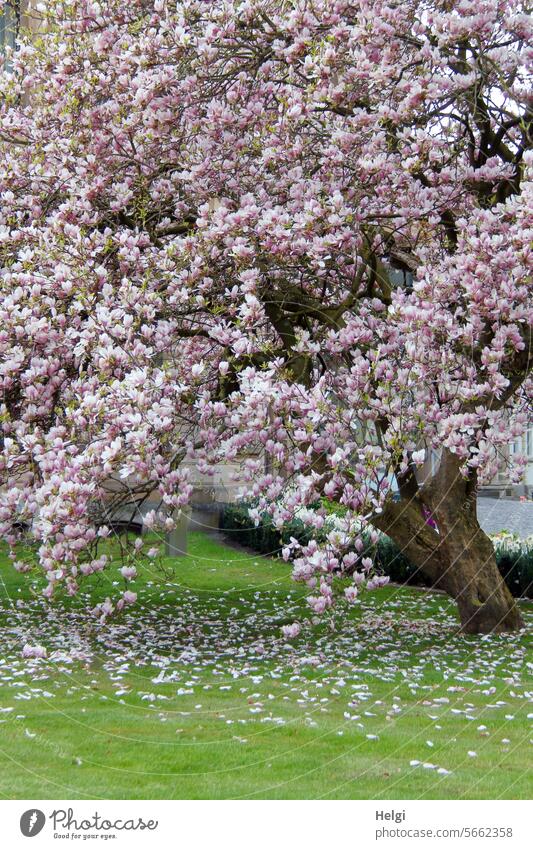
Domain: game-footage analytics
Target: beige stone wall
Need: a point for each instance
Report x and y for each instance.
(29, 17)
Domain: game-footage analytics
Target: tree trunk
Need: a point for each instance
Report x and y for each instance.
(457, 556)
(472, 577)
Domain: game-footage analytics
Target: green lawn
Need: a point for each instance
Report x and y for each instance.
(192, 693)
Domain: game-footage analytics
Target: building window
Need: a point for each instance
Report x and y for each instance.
(529, 441)
(9, 21)
(400, 278)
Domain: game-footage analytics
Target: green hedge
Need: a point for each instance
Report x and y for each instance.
(265, 538)
(515, 562)
(517, 569)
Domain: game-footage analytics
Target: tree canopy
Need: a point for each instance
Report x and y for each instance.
(294, 227)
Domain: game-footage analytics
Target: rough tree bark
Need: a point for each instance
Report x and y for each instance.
(457, 556)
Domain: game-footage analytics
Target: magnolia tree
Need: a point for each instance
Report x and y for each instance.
(296, 231)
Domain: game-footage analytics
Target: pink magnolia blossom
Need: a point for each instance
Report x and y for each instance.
(351, 594)
(291, 631)
(33, 651)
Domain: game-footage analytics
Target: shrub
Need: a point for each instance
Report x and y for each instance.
(265, 538)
